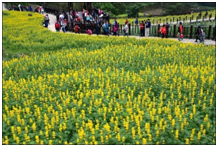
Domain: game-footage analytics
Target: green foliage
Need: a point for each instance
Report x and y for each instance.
(177, 8)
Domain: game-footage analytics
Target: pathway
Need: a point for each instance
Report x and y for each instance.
(53, 19)
(206, 42)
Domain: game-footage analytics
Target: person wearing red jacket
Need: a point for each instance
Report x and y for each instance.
(180, 31)
(163, 31)
(78, 19)
(77, 28)
(57, 26)
(141, 28)
(126, 21)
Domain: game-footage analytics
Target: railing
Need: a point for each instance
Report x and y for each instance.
(188, 31)
(182, 19)
(134, 30)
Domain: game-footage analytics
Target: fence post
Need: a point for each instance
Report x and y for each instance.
(209, 32)
(177, 20)
(214, 32)
(111, 27)
(153, 21)
(183, 20)
(173, 19)
(158, 27)
(174, 31)
(192, 17)
(191, 31)
(129, 29)
(186, 17)
(121, 28)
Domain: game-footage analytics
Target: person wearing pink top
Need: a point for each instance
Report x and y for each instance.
(89, 32)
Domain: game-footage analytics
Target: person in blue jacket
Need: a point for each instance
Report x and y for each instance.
(30, 8)
(106, 28)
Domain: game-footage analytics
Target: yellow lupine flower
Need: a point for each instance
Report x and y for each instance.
(144, 141)
(186, 141)
(199, 135)
(50, 142)
(65, 142)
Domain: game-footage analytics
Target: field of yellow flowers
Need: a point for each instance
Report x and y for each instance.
(157, 19)
(80, 89)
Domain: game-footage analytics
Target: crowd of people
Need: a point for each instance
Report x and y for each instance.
(75, 18)
(95, 16)
(200, 33)
(19, 7)
(100, 23)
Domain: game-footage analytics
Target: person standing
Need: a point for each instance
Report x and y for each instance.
(115, 30)
(163, 31)
(117, 26)
(57, 26)
(66, 26)
(141, 28)
(136, 22)
(180, 30)
(203, 36)
(198, 33)
(98, 26)
(148, 25)
(46, 20)
(42, 10)
(167, 29)
(76, 28)
(88, 19)
(126, 30)
(30, 8)
(114, 22)
(126, 21)
(144, 14)
(63, 25)
(106, 28)
(19, 7)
